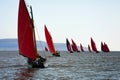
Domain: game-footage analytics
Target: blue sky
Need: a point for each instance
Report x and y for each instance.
(76, 19)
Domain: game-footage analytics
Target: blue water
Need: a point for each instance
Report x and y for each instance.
(75, 66)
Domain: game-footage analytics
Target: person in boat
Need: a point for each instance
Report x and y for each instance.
(38, 63)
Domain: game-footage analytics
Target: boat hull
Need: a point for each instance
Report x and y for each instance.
(38, 63)
(57, 54)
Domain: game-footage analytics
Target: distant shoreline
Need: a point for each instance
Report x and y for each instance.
(60, 51)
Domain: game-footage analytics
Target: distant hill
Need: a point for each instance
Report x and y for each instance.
(12, 44)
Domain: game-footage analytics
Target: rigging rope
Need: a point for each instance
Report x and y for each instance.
(40, 41)
(36, 32)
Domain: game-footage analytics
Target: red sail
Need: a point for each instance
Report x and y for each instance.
(89, 49)
(74, 46)
(46, 49)
(26, 36)
(102, 47)
(68, 45)
(49, 40)
(93, 45)
(81, 47)
(106, 49)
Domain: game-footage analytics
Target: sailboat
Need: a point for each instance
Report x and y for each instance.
(93, 45)
(68, 46)
(104, 47)
(26, 37)
(81, 47)
(74, 46)
(89, 49)
(46, 49)
(50, 42)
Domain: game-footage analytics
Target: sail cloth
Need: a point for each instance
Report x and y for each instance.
(89, 49)
(26, 37)
(93, 45)
(74, 46)
(81, 47)
(104, 47)
(49, 41)
(68, 46)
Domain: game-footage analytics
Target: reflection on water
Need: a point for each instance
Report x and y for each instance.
(25, 74)
(75, 66)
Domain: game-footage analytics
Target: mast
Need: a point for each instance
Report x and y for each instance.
(34, 37)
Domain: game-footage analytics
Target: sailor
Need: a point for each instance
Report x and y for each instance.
(38, 63)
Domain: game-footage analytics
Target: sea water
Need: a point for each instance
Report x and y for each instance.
(70, 66)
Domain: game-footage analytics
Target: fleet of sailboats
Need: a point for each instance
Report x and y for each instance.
(27, 39)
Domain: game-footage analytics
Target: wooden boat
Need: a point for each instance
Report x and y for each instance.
(74, 46)
(93, 45)
(26, 37)
(68, 46)
(81, 47)
(50, 42)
